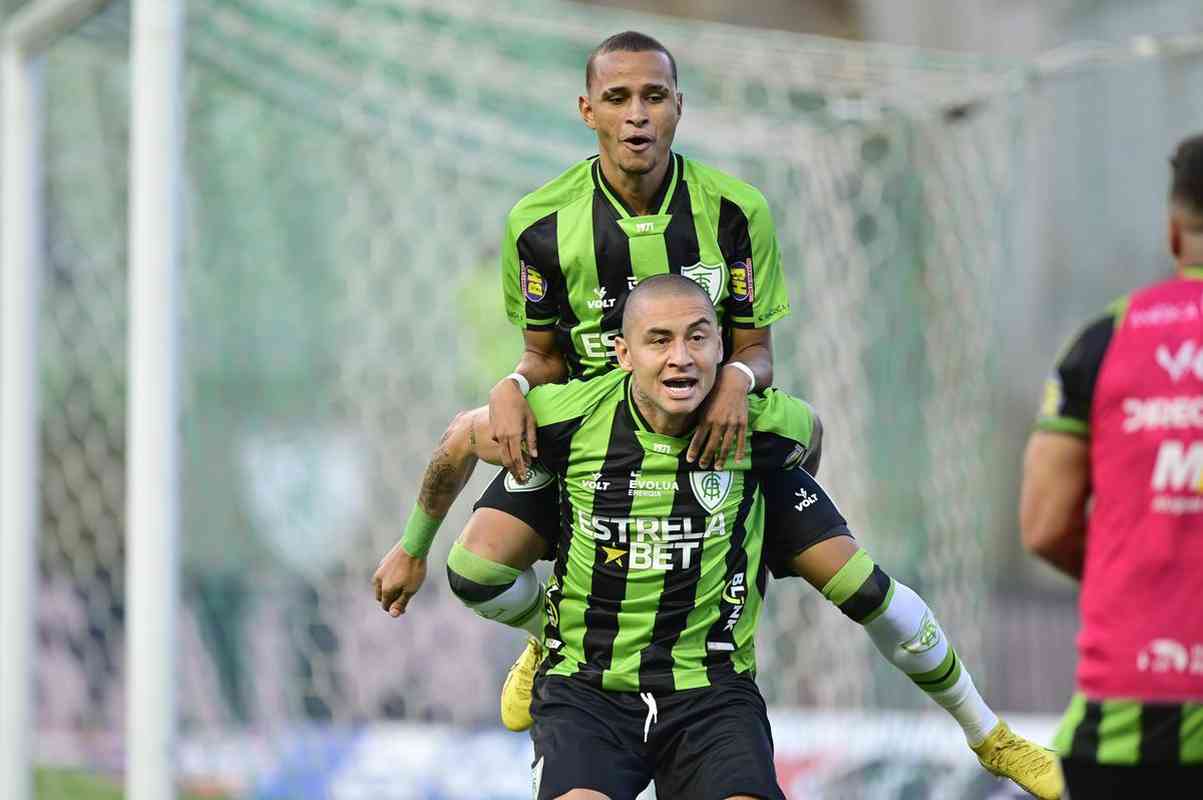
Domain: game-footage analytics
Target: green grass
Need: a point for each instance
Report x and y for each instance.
(72, 784)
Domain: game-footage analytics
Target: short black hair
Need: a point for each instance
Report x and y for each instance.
(1186, 188)
(671, 285)
(628, 42)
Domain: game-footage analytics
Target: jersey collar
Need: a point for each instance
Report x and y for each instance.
(662, 197)
(1192, 272)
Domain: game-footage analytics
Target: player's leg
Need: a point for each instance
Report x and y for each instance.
(898, 622)
(588, 743)
(490, 570)
(713, 743)
(512, 526)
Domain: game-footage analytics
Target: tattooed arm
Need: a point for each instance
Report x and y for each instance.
(467, 439)
(402, 570)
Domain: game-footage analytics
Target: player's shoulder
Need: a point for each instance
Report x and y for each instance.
(557, 402)
(567, 188)
(1169, 300)
(715, 181)
(778, 412)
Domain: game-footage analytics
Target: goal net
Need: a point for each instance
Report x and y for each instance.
(350, 165)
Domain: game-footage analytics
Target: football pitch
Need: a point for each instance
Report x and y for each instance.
(72, 784)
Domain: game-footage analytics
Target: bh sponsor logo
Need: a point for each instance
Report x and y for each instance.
(1186, 360)
(600, 301)
(743, 282)
(1168, 656)
(655, 543)
(1179, 469)
(534, 288)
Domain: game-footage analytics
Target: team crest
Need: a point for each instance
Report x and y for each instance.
(710, 488)
(708, 276)
(537, 477)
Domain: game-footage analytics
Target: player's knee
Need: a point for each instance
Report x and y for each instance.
(492, 590)
(475, 579)
(860, 589)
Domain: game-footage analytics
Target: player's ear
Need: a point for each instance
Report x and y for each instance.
(1175, 237)
(586, 109)
(624, 354)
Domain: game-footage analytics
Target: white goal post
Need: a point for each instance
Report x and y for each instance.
(153, 508)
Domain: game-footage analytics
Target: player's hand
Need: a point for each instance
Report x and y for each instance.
(397, 579)
(514, 428)
(724, 422)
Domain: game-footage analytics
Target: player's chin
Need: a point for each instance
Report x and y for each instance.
(639, 163)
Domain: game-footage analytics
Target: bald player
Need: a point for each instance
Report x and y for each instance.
(649, 617)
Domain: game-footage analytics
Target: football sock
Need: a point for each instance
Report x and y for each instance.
(496, 591)
(906, 632)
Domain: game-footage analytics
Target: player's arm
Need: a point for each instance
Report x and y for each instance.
(756, 299)
(1052, 506)
(724, 422)
(512, 422)
(532, 287)
(403, 569)
(905, 631)
(1056, 464)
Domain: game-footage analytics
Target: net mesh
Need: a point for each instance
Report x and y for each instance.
(349, 168)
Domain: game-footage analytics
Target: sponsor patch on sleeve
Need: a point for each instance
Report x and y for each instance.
(533, 286)
(1050, 404)
(743, 281)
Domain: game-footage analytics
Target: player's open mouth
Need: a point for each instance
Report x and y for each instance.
(638, 142)
(679, 388)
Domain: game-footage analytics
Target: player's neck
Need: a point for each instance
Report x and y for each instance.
(636, 190)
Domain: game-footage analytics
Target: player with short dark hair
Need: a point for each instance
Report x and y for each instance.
(628, 42)
(659, 577)
(1113, 497)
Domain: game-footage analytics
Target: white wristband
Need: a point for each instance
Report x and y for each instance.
(524, 384)
(746, 370)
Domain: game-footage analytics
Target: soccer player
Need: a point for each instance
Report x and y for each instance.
(659, 576)
(573, 251)
(1113, 497)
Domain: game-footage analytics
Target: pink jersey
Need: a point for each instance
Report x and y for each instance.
(1142, 590)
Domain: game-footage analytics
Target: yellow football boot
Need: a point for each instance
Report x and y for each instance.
(516, 691)
(1031, 766)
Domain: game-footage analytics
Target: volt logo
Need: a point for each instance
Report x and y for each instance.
(1188, 360)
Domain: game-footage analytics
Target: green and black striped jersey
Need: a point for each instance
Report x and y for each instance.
(573, 251)
(660, 572)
